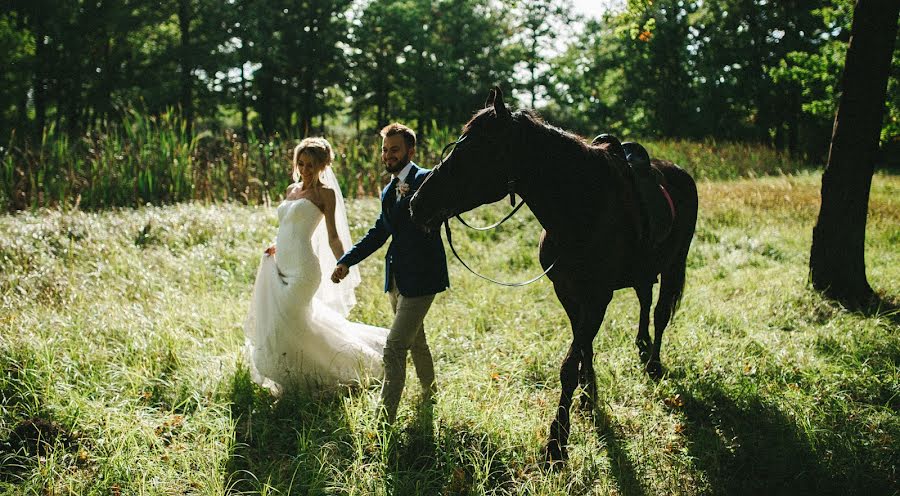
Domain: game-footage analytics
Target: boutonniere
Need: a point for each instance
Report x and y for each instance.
(402, 189)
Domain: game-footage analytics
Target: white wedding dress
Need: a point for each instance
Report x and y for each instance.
(297, 331)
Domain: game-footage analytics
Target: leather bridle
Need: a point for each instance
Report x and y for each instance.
(511, 189)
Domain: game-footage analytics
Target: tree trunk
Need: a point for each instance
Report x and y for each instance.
(74, 108)
(40, 78)
(837, 262)
(308, 103)
(245, 129)
(184, 56)
(104, 102)
(266, 95)
(532, 69)
(22, 115)
(793, 123)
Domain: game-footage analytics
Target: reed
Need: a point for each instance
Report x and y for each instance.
(143, 159)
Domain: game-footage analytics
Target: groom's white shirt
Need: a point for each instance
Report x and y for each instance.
(403, 172)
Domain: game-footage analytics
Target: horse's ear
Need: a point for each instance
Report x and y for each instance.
(499, 107)
(490, 99)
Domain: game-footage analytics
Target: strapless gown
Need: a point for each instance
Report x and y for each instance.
(293, 337)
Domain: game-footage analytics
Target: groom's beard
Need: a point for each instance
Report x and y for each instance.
(397, 167)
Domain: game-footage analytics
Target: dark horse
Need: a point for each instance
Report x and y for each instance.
(577, 192)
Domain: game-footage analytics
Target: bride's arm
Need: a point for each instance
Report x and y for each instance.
(334, 241)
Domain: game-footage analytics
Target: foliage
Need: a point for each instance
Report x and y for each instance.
(749, 71)
(732, 70)
(121, 366)
(429, 61)
(540, 25)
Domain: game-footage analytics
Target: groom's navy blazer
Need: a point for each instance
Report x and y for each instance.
(415, 258)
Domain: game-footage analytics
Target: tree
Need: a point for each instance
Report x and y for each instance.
(540, 25)
(380, 33)
(657, 76)
(185, 65)
(587, 81)
(836, 262)
(427, 60)
(17, 49)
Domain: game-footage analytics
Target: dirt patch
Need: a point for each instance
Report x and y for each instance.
(37, 436)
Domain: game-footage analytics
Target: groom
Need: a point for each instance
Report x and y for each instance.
(415, 268)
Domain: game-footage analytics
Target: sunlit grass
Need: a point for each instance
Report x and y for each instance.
(122, 331)
(716, 160)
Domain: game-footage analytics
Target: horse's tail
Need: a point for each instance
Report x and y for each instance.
(672, 279)
(672, 286)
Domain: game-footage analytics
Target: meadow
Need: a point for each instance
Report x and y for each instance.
(121, 366)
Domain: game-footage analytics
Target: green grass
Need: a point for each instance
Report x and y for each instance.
(145, 159)
(151, 159)
(121, 331)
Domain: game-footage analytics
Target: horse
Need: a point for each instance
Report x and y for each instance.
(576, 191)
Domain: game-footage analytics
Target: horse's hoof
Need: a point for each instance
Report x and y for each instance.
(654, 369)
(554, 465)
(644, 351)
(555, 456)
(587, 406)
(644, 355)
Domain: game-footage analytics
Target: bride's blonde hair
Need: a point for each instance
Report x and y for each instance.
(318, 148)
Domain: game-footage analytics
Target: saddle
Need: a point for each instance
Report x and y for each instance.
(653, 212)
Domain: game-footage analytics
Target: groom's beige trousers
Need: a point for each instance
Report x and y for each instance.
(407, 334)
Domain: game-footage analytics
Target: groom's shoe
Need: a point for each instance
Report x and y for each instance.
(384, 419)
(429, 393)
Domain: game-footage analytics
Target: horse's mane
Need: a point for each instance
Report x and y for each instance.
(568, 148)
(553, 144)
(535, 125)
(533, 121)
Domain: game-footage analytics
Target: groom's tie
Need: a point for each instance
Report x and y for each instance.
(390, 198)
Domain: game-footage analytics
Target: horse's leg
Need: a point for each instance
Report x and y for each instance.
(586, 379)
(645, 296)
(671, 286)
(590, 316)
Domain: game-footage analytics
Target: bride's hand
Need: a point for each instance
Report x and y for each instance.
(339, 273)
(270, 251)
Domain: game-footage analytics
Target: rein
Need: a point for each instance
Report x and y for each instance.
(510, 185)
(488, 228)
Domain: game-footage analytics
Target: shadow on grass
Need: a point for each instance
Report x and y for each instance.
(412, 460)
(302, 444)
(621, 467)
(882, 306)
(277, 440)
(873, 305)
(866, 366)
(745, 446)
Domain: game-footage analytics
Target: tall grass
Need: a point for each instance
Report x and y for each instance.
(121, 370)
(153, 159)
(713, 160)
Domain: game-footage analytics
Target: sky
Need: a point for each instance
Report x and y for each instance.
(587, 8)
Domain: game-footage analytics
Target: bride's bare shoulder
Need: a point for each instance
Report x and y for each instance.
(292, 189)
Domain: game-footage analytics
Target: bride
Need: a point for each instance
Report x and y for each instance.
(297, 333)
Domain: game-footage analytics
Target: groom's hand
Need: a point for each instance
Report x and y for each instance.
(340, 272)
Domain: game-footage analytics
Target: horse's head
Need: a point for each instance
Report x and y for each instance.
(476, 172)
